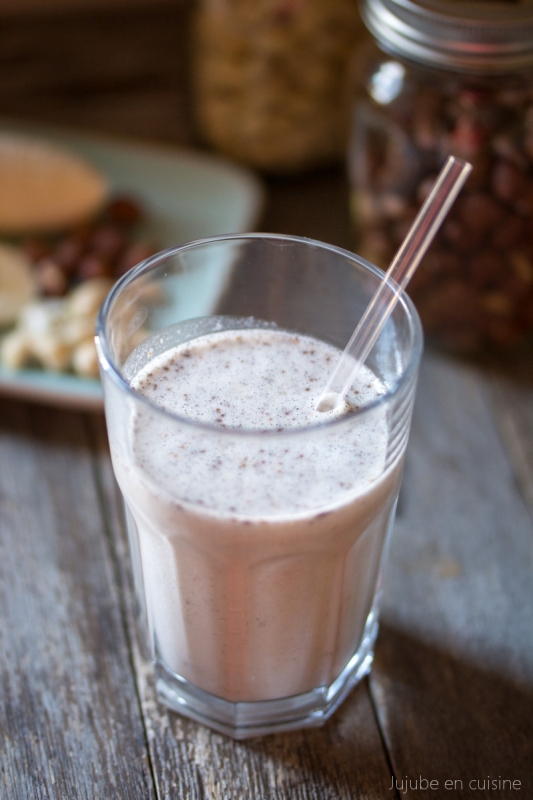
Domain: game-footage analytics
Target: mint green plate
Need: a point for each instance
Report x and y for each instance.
(187, 195)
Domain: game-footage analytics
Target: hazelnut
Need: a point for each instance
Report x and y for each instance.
(485, 268)
(497, 303)
(509, 147)
(523, 202)
(451, 304)
(508, 232)
(93, 266)
(107, 242)
(502, 332)
(125, 210)
(68, 253)
(394, 205)
(459, 236)
(51, 280)
(522, 266)
(479, 211)
(508, 182)
(36, 249)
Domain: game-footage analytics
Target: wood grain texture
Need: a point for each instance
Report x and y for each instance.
(70, 725)
(115, 71)
(513, 405)
(451, 692)
(453, 680)
(343, 760)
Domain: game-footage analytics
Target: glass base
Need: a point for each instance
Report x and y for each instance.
(244, 720)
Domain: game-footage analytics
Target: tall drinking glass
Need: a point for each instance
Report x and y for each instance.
(257, 528)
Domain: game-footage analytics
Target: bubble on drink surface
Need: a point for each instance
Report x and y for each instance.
(257, 382)
(332, 402)
(266, 380)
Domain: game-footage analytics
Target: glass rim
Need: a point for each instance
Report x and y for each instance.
(109, 366)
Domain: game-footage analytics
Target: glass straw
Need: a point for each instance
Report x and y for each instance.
(420, 235)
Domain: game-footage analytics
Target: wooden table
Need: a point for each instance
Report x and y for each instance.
(450, 698)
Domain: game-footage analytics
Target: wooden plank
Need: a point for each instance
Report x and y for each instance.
(70, 724)
(513, 403)
(111, 71)
(453, 676)
(344, 760)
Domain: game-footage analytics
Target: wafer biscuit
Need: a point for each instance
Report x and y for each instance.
(44, 187)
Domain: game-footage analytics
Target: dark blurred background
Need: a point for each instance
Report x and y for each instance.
(123, 68)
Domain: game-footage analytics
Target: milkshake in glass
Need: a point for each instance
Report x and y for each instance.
(257, 524)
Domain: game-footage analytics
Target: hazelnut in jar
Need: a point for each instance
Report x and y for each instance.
(447, 78)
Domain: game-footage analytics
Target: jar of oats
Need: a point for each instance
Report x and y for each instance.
(446, 78)
(271, 79)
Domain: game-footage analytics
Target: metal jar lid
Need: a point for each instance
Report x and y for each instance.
(482, 37)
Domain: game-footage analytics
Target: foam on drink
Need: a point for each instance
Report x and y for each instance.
(260, 553)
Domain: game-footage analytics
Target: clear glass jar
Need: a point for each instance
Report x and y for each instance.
(440, 79)
(271, 79)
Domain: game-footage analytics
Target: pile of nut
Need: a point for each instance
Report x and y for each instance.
(271, 79)
(474, 287)
(73, 273)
